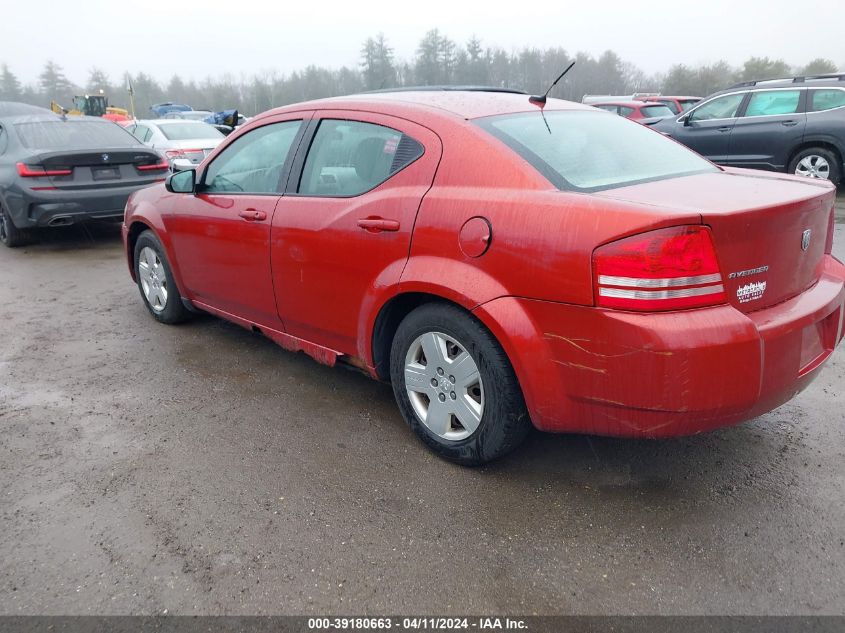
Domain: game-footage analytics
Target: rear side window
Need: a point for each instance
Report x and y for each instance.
(771, 102)
(609, 108)
(142, 133)
(826, 99)
(189, 131)
(73, 134)
(686, 104)
(348, 158)
(254, 162)
(589, 151)
(625, 111)
(669, 104)
(655, 110)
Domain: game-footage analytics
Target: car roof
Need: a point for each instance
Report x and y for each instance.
(464, 104)
(814, 81)
(16, 109)
(172, 122)
(678, 97)
(629, 104)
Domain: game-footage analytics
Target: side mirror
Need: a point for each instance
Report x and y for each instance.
(686, 120)
(182, 181)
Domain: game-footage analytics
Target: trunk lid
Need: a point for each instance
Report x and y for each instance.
(102, 168)
(769, 230)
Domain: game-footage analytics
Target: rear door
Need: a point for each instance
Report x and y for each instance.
(708, 127)
(771, 123)
(344, 227)
(221, 234)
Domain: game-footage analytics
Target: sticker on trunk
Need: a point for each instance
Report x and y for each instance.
(751, 292)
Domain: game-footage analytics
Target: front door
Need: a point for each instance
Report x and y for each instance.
(221, 235)
(708, 127)
(345, 225)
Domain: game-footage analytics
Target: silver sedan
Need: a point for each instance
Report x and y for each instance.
(184, 143)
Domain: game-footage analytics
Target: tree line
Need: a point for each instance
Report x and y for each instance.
(438, 60)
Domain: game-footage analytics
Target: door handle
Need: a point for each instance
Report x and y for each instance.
(789, 123)
(252, 215)
(724, 128)
(377, 225)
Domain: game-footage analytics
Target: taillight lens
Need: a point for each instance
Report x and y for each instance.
(162, 164)
(34, 171)
(666, 269)
(181, 153)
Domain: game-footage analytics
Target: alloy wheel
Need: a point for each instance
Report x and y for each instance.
(813, 166)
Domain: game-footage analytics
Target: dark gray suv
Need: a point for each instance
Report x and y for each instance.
(794, 125)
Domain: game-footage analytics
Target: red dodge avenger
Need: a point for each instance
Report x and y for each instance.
(503, 264)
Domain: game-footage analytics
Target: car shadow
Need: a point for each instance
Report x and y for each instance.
(88, 235)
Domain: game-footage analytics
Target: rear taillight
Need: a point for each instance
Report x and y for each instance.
(163, 164)
(666, 269)
(181, 153)
(828, 244)
(34, 171)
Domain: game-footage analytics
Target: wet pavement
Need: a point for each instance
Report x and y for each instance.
(200, 469)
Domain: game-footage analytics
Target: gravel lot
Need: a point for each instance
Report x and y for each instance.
(200, 469)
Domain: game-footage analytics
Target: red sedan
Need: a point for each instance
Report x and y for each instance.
(639, 111)
(503, 264)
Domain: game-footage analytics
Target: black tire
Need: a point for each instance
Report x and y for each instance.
(173, 310)
(11, 235)
(832, 160)
(504, 419)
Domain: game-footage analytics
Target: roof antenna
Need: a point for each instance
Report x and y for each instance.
(541, 100)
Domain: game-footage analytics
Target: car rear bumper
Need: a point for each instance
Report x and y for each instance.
(608, 372)
(57, 207)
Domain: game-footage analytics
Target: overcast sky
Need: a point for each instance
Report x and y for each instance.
(197, 38)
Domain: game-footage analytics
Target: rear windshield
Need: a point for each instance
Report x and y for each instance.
(188, 131)
(591, 151)
(73, 134)
(656, 110)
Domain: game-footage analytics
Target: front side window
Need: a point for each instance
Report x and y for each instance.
(348, 158)
(772, 102)
(719, 108)
(254, 162)
(826, 99)
(589, 151)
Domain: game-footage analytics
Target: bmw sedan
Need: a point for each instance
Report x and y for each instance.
(57, 171)
(503, 264)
